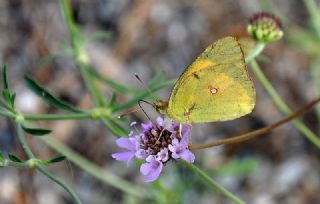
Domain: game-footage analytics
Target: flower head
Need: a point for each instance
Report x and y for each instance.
(157, 144)
(265, 27)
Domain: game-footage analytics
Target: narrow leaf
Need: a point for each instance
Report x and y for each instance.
(100, 35)
(115, 128)
(12, 99)
(48, 97)
(5, 77)
(14, 158)
(141, 95)
(113, 102)
(56, 159)
(46, 61)
(1, 156)
(6, 96)
(159, 78)
(115, 85)
(36, 131)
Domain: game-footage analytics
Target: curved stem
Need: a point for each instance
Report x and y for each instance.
(255, 133)
(282, 105)
(60, 183)
(27, 150)
(75, 116)
(212, 183)
(255, 52)
(275, 96)
(95, 170)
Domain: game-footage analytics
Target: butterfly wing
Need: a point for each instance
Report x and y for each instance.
(215, 87)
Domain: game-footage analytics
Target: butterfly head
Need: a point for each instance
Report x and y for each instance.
(161, 106)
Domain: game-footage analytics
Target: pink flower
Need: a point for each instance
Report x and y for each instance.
(157, 144)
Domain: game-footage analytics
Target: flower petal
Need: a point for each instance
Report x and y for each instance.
(184, 142)
(185, 130)
(142, 154)
(145, 168)
(167, 123)
(123, 156)
(163, 155)
(133, 123)
(171, 148)
(155, 172)
(187, 155)
(146, 126)
(127, 143)
(160, 121)
(175, 155)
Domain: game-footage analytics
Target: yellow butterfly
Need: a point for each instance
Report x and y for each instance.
(215, 87)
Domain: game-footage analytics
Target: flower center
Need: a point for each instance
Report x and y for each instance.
(156, 139)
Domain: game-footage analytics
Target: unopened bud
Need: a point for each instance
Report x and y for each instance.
(265, 27)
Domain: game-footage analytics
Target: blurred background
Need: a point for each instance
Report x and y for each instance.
(124, 37)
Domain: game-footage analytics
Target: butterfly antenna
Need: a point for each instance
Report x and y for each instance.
(139, 102)
(128, 112)
(134, 110)
(146, 87)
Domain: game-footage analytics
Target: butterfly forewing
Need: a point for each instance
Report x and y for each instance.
(215, 87)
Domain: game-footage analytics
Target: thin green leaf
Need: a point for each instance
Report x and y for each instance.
(14, 158)
(159, 78)
(47, 60)
(100, 35)
(5, 77)
(67, 51)
(6, 96)
(113, 102)
(94, 90)
(1, 156)
(116, 86)
(13, 99)
(133, 101)
(238, 167)
(36, 131)
(115, 128)
(4, 106)
(56, 159)
(48, 97)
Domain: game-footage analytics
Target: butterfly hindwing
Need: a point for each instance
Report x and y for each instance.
(215, 87)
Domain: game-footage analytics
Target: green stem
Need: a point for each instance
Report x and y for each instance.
(6, 114)
(9, 163)
(314, 14)
(315, 20)
(95, 170)
(255, 52)
(116, 86)
(282, 105)
(94, 91)
(212, 183)
(80, 54)
(27, 150)
(3, 104)
(73, 30)
(276, 97)
(75, 116)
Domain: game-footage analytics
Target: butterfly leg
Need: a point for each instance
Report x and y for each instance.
(180, 130)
